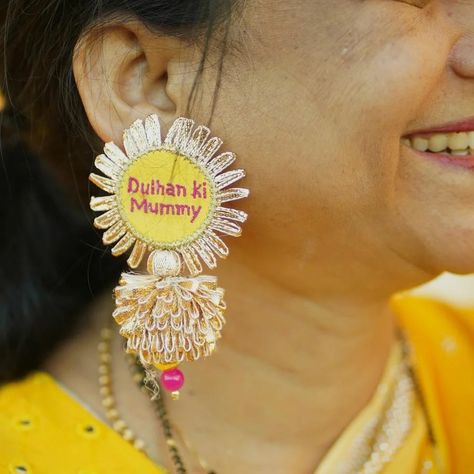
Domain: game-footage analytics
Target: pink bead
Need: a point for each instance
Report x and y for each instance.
(172, 379)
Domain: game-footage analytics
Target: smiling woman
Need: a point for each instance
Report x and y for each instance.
(353, 122)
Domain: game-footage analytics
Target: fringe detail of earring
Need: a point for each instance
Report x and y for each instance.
(165, 200)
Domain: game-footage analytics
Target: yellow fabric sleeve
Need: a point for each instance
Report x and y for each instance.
(44, 430)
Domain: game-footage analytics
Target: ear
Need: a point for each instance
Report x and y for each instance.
(125, 71)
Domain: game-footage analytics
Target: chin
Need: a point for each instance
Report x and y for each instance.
(452, 260)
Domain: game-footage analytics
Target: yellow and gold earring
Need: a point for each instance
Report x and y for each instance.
(165, 202)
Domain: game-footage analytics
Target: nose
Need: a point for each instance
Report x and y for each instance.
(462, 56)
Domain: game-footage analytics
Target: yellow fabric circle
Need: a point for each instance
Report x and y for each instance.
(24, 423)
(88, 430)
(19, 468)
(165, 198)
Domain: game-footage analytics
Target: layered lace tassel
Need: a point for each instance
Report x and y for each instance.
(167, 319)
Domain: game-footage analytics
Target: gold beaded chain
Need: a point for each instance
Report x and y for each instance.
(119, 425)
(160, 408)
(106, 391)
(112, 414)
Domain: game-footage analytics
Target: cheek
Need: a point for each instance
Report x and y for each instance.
(321, 135)
(395, 82)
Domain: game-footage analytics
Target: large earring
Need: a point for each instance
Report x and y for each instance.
(165, 201)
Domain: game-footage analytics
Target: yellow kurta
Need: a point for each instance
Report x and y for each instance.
(45, 430)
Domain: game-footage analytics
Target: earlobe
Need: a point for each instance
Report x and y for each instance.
(122, 73)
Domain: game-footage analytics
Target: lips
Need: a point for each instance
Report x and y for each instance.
(463, 125)
(450, 143)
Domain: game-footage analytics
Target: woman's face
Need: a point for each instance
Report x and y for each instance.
(315, 104)
(316, 99)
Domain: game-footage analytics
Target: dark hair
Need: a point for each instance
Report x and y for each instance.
(52, 261)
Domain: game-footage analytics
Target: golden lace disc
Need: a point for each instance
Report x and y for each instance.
(168, 194)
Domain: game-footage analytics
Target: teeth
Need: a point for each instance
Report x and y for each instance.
(471, 139)
(456, 143)
(438, 142)
(420, 143)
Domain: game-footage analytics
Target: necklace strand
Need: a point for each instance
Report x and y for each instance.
(161, 410)
(138, 375)
(107, 392)
(118, 423)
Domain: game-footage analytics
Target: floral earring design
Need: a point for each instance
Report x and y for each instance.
(165, 201)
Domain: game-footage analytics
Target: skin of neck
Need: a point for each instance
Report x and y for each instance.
(290, 372)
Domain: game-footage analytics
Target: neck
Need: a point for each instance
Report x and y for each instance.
(288, 375)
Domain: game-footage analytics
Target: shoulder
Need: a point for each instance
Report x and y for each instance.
(43, 428)
(21, 420)
(441, 337)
